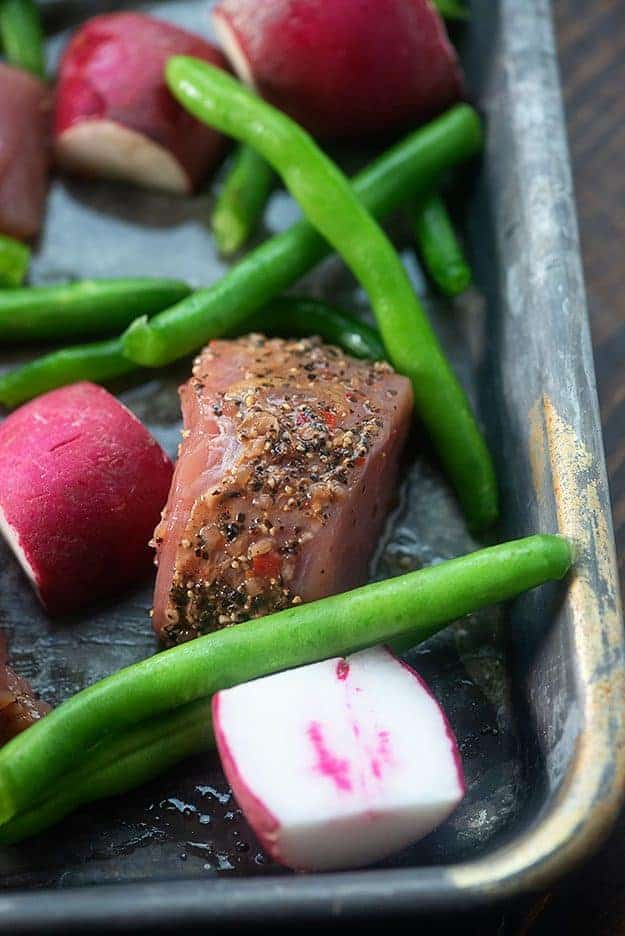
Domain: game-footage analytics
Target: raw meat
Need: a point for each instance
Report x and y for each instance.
(287, 469)
(25, 116)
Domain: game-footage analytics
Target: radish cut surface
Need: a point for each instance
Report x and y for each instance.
(103, 147)
(340, 763)
(82, 483)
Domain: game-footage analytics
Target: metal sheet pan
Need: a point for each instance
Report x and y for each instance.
(535, 692)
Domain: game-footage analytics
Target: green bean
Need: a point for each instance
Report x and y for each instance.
(412, 164)
(22, 36)
(14, 260)
(122, 764)
(84, 309)
(439, 246)
(99, 361)
(452, 9)
(416, 604)
(102, 361)
(330, 204)
(298, 316)
(242, 200)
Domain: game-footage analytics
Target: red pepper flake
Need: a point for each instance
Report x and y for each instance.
(329, 419)
(267, 565)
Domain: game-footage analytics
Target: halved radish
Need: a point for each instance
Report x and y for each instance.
(343, 69)
(340, 763)
(82, 484)
(114, 114)
(25, 119)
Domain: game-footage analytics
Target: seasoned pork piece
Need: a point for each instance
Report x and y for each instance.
(19, 705)
(287, 469)
(25, 116)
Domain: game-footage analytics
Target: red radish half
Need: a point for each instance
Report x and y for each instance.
(25, 118)
(343, 69)
(340, 763)
(114, 115)
(82, 484)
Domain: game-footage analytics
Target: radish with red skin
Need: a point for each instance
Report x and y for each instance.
(25, 118)
(82, 483)
(343, 69)
(359, 760)
(114, 115)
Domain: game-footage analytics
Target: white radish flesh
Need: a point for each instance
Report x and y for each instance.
(105, 148)
(340, 763)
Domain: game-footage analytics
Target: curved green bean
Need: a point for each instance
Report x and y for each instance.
(299, 316)
(241, 200)
(439, 246)
(329, 202)
(99, 361)
(21, 35)
(412, 164)
(416, 604)
(83, 309)
(14, 260)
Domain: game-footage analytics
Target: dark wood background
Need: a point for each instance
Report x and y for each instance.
(591, 38)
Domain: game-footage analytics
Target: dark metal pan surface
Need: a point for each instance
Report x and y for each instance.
(533, 691)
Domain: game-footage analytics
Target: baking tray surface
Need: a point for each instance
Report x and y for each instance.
(533, 692)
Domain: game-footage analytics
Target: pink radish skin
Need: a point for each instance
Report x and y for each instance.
(82, 484)
(341, 763)
(114, 115)
(25, 138)
(343, 69)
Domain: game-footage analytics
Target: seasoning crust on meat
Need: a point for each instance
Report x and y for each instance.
(287, 468)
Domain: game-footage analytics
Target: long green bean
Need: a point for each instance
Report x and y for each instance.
(21, 35)
(122, 764)
(298, 316)
(14, 260)
(241, 200)
(88, 308)
(416, 604)
(331, 205)
(439, 246)
(99, 361)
